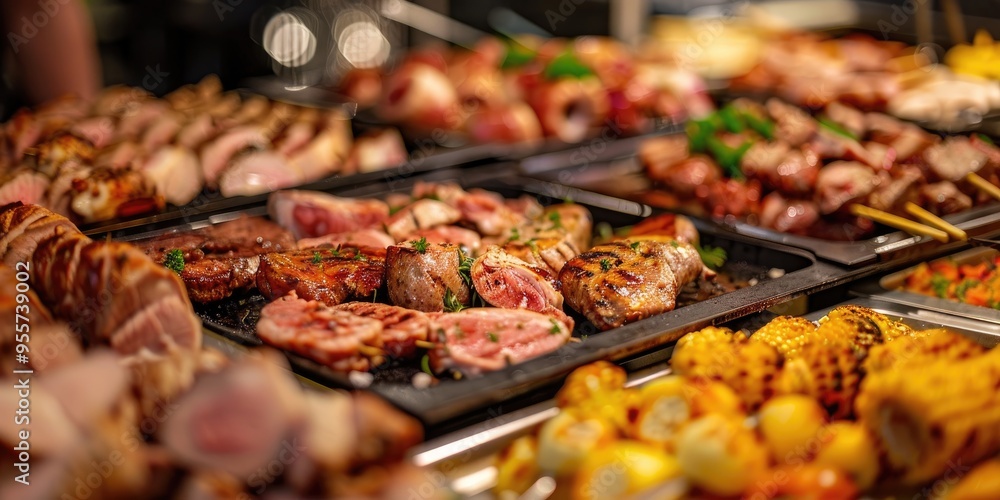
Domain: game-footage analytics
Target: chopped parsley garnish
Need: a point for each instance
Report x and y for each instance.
(940, 285)
(674, 243)
(420, 245)
(175, 261)
(317, 258)
(335, 251)
(634, 245)
(556, 328)
(492, 337)
(451, 302)
(712, 257)
(556, 219)
(532, 245)
(986, 139)
(360, 256)
(568, 200)
(515, 234)
(605, 264)
(836, 128)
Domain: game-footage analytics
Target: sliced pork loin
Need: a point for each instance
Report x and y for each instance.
(419, 275)
(486, 211)
(23, 227)
(331, 276)
(550, 253)
(326, 153)
(421, 214)
(625, 281)
(333, 337)
(24, 185)
(257, 171)
(376, 151)
(358, 238)
(117, 295)
(505, 281)
(216, 155)
(481, 340)
(175, 172)
(308, 214)
(401, 327)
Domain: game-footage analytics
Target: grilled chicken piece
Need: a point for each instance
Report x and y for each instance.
(330, 276)
(23, 227)
(421, 280)
(376, 151)
(481, 340)
(550, 253)
(664, 227)
(99, 130)
(508, 282)
(359, 238)
(468, 239)
(943, 198)
(106, 194)
(308, 214)
(175, 173)
(421, 214)
(401, 327)
(487, 212)
(254, 171)
(614, 283)
(788, 215)
(315, 330)
(792, 124)
(326, 152)
(24, 185)
(61, 150)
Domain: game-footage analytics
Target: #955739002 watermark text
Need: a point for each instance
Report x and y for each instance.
(22, 371)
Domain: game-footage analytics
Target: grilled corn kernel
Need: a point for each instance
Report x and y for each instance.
(827, 373)
(921, 348)
(720, 455)
(626, 468)
(982, 483)
(566, 439)
(750, 369)
(787, 334)
(589, 381)
(859, 327)
(517, 465)
(668, 404)
(705, 347)
(927, 417)
(791, 427)
(847, 446)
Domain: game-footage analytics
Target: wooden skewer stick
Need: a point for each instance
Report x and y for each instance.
(983, 185)
(898, 222)
(933, 220)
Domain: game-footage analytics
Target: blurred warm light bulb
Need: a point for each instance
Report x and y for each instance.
(288, 41)
(363, 45)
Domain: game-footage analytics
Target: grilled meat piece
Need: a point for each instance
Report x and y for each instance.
(508, 282)
(113, 293)
(324, 334)
(242, 237)
(852, 119)
(330, 276)
(843, 182)
(686, 177)
(23, 227)
(488, 339)
(62, 150)
(892, 194)
(212, 279)
(105, 194)
(789, 171)
(614, 283)
(22, 184)
(792, 124)
(216, 155)
(257, 171)
(550, 253)
(421, 280)
(421, 214)
(175, 172)
(308, 214)
(954, 158)
(401, 327)
(671, 226)
(943, 198)
(788, 215)
(358, 238)
(468, 239)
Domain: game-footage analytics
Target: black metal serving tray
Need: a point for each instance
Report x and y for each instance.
(449, 399)
(618, 172)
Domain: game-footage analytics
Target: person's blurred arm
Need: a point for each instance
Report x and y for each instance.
(54, 46)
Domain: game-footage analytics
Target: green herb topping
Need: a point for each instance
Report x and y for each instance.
(420, 245)
(175, 261)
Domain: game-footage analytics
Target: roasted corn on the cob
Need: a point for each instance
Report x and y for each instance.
(859, 327)
(927, 417)
(720, 455)
(849, 447)
(666, 405)
(791, 427)
(982, 483)
(517, 466)
(627, 468)
(921, 348)
(750, 369)
(787, 334)
(826, 372)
